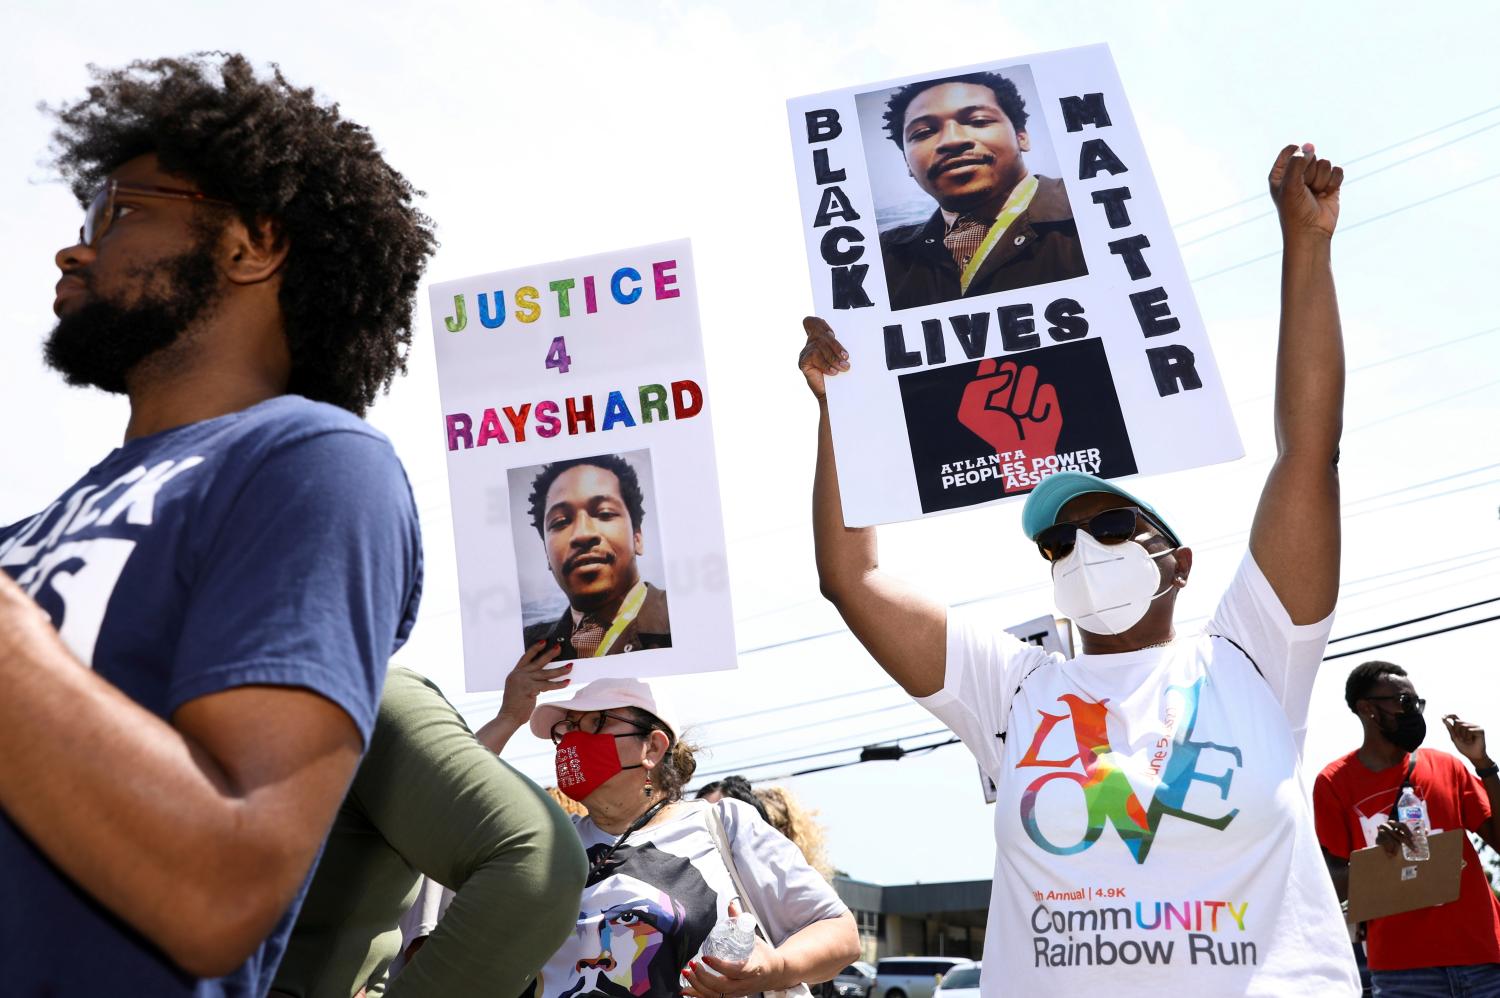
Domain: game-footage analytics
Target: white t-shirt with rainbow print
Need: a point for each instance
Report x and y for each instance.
(1152, 828)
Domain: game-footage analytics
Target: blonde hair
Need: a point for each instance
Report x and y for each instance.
(798, 824)
(567, 803)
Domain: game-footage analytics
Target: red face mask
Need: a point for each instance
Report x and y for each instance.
(585, 762)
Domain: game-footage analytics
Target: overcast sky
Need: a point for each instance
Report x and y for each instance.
(544, 132)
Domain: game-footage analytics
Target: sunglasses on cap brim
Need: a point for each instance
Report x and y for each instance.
(1109, 527)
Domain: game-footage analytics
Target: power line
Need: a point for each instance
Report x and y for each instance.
(810, 755)
(1426, 405)
(1418, 578)
(914, 750)
(1211, 544)
(885, 734)
(782, 709)
(1353, 180)
(1414, 620)
(1467, 583)
(954, 741)
(1361, 634)
(1390, 360)
(1431, 481)
(1349, 228)
(1425, 564)
(904, 705)
(864, 743)
(1414, 637)
(1357, 159)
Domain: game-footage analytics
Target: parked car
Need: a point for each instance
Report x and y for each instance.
(960, 982)
(854, 981)
(911, 976)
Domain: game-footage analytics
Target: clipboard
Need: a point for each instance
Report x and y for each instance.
(1382, 884)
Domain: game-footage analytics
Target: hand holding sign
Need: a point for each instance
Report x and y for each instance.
(822, 356)
(1306, 190)
(1007, 409)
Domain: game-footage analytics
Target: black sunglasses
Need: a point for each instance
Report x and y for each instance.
(1405, 701)
(1110, 527)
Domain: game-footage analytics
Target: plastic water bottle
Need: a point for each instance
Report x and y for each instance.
(732, 940)
(1413, 814)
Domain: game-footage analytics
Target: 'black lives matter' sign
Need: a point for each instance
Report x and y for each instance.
(996, 230)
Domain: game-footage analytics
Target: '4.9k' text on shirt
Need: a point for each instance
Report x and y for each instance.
(1152, 829)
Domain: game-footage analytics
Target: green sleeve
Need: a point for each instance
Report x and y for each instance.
(472, 823)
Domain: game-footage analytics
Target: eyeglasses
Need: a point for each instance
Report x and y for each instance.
(102, 210)
(593, 722)
(1406, 702)
(1111, 526)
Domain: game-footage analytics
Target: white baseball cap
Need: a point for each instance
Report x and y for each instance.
(603, 694)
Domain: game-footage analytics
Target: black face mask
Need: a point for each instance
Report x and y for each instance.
(1405, 731)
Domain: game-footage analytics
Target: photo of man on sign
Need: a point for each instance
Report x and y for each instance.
(997, 226)
(589, 514)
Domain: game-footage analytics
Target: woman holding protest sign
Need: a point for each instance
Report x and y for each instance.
(1151, 826)
(664, 871)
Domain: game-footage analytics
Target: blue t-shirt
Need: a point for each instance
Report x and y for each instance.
(278, 545)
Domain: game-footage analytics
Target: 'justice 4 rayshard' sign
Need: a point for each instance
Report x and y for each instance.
(581, 467)
(989, 245)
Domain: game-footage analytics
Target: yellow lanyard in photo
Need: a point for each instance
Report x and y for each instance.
(1019, 201)
(628, 610)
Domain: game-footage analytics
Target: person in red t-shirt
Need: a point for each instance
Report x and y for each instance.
(1451, 949)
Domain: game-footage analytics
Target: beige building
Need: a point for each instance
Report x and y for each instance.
(918, 919)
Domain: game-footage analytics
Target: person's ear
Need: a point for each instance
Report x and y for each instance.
(1184, 559)
(252, 254)
(640, 545)
(1023, 141)
(657, 747)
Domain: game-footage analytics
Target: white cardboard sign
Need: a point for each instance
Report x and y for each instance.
(1012, 298)
(576, 417)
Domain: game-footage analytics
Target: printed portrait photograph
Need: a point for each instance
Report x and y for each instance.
(968, 191)
(589, 562)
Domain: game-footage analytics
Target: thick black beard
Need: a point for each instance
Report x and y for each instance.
(102, 342)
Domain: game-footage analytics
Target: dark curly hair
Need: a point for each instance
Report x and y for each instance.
(357, 244)
(630, 486)
(1363, 677)
(1006, 95)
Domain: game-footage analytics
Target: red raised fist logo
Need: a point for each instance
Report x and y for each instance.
(1007, 409)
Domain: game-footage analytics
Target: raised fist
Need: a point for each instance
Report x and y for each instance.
(1008, 410)
(1306, 190)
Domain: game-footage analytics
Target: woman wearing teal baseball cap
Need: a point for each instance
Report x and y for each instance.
(1151, 826)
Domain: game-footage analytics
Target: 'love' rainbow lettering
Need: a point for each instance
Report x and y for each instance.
(1107, 792)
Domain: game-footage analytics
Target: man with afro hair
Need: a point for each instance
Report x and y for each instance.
(193, 637)
(997, 226)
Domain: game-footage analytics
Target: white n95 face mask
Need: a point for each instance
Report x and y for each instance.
(1106, 588)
